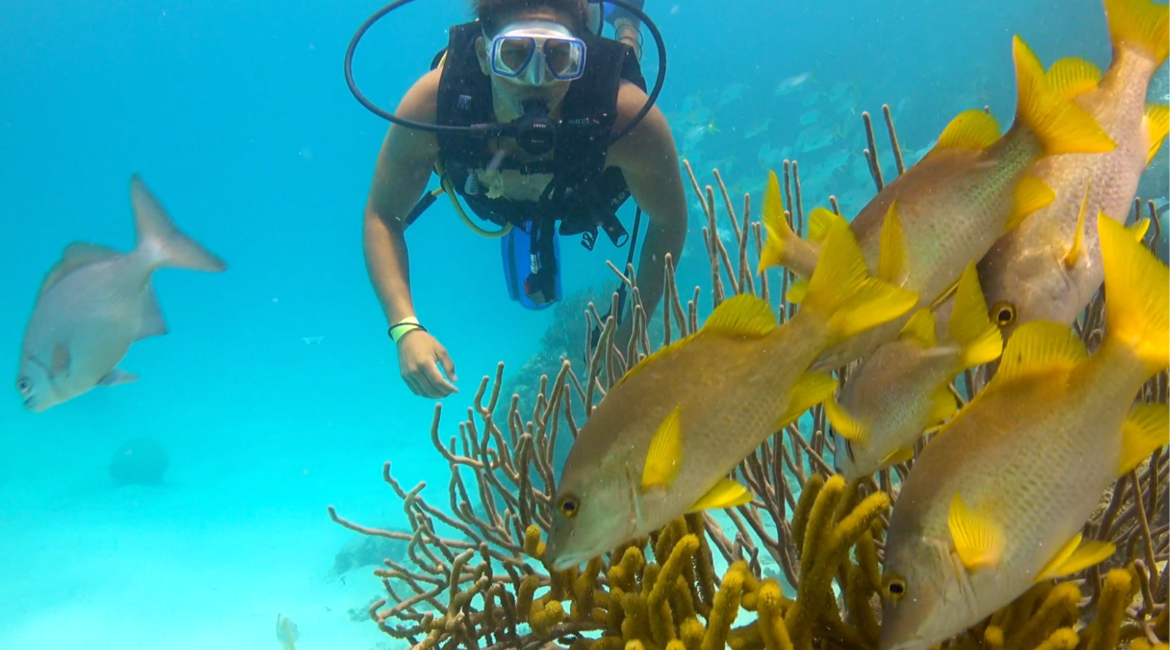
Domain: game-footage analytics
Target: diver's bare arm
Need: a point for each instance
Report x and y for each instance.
(400, 176)
(649, 162)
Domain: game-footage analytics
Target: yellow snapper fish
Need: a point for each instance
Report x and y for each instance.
(663, 440)
(903, 388)
(1050, 267)
(996, 502)
(923, 228)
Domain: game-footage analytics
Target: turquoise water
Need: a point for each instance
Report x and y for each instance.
(237, 116)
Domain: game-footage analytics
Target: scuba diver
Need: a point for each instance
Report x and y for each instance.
(541, 68)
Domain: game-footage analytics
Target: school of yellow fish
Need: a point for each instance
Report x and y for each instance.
(990, 244)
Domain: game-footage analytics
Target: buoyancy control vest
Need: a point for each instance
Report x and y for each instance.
(583, 195)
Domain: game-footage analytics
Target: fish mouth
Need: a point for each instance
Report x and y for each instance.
(568, 561)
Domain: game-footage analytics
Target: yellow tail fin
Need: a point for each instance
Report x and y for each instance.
(1137, 306)
(1157, 122)
(842, 291)
(1060, 125)
(782, 246)
(1140, 25)
(969, 326)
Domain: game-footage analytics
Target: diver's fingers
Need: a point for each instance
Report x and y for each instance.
(441, 386)
(447, 363)
(412, 383)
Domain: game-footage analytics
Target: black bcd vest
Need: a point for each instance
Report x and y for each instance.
(583, 195)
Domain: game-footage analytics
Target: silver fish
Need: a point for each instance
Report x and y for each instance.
(96, 302)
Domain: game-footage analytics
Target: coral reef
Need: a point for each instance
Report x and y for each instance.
(797, 568)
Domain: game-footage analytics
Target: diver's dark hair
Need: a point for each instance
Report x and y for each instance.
(495, 14)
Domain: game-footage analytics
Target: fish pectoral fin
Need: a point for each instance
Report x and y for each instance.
(978, 540)
(1075, 556)
(1144, 431)
(59, 363)
(846, 426)
(664, 459)
(797, 291)
(115, 377)
(899, 455)
(742, 315)
(1038, 347)
(970, 326)
(1030, 195)
(920, 329)
(1078, 243)
(811, 389)
(726, 494)
(1073, 76)
(942, 405)
(892, 252)
(1157, 123)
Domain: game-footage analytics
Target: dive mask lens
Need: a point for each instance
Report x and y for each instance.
(533, 51)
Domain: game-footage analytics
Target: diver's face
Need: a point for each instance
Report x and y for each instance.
(513, 92)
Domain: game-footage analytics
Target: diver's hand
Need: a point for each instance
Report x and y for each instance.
(419, 354)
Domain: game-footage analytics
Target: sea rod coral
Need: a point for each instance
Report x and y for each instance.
(798, 567)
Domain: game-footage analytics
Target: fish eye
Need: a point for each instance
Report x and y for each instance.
(23, 384)
(894, 588)
(567, 505)
(1003, 313)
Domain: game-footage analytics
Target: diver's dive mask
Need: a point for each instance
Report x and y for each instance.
(537, 52)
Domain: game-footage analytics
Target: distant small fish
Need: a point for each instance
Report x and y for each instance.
(759, 128)
(814, 139)
(286, 632)
(96, 302)
(791, 84)
(731, 94)
(312, 340)
(809, 117)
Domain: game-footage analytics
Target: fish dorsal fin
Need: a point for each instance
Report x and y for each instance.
(742, 315)
(920, 329)
(1075, 556)
(978, 540)
(797, 291)
(1078, 243)
(973, 129)
(659, 354)
(1039, 347)
(970, 327)
(899, 455)
(811, 389)
(725, 494)
(75, 256)
(819, 221)
(892, 255)
(846, 426)
(1144, 431)
(664, 458)
(942, 405)
(1157, 123)
(1139, 228)
(1030, 195)
(1072, 76)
